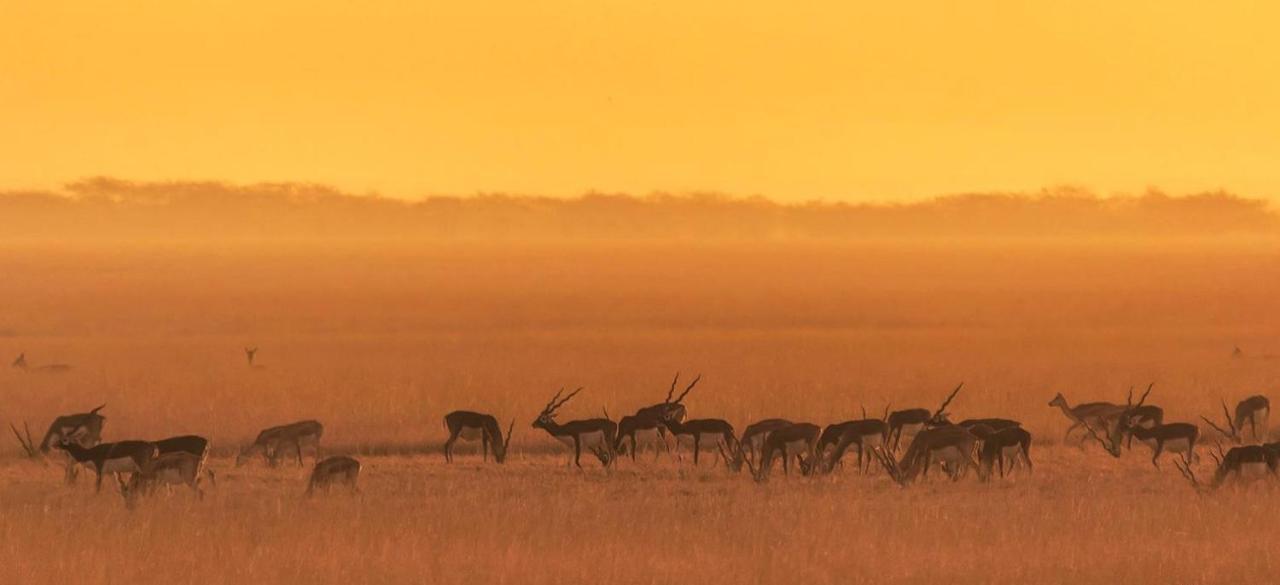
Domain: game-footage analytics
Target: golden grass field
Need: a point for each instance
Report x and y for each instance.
(380, 343)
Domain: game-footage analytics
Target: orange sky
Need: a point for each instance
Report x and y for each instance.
(794, 100)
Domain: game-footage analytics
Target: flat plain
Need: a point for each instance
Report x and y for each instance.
(380, 342)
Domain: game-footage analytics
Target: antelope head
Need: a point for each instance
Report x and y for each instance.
(939, 417)
(674, 410)
(547, 417)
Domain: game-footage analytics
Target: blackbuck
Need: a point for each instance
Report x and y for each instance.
(951, 445)
(271, 441)
(193, 445)
(1254, 410)
(751, 443)
(799, 440)
(1091, 416)
(1009, 444)
(1138, 415)
(250, 354)
(915, 419)
(1255, 460)
(1172, 437)
(704, 433)
(994, 424)
(671, 408)
(470, 426)
(596, 435)
(864, 434)
(21, 364)
(631, 427)
(124, 457)
(84, 429)
(167, 469)
(335, 470)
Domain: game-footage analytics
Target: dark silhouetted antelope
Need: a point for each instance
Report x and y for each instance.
(271, 441)
(124, 457)
(596, 435)
(1007, 444)
(474, 425)
(338, 469)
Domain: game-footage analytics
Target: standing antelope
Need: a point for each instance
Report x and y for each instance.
(1089, 415)
(251, 353)
(193, 445)
(122, 457)
(1173, 437)
(630, 426)
(652, 417)
(704, 433)
(21, 364)
(474, 425)
(596, 434)
(270, 441)
(334, 470)
(1005, 444)
(84, 429)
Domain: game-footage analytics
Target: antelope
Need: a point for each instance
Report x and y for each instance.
(704, 431)
(652, 417)
(916, 419)
(579, 434)
(1088, 415)
(1173, 437)
(751, 443)
(473, 425)
(950, 444)
(1001, 445)
(864, 434)
(629, 426)
(83, 428)
(994, 424)
(333, 470)
(1235, 462)
(122, 457)
(21, 364)
(1256, 410)
(172, 468)
(795, 440)
(193, 445)
(270, 441)
(1232, 431)
(1138, 415)
(250, 353)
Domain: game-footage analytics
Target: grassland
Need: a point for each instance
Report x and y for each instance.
(380, 343)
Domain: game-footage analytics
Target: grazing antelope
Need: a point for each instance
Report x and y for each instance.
(1089, 415)
(704, 433)
(474, 425)
(864, 434)
(914, 419)
(1000, 445)
(21, 364)
(1236, 462)
(1256, 410)
(596, 434)
(193, 445)
(951, 445)
(751, 443)
(1232, 430)
(122, 457)
(796, 440)
(172, 468)
(270, 441)
(334, 470)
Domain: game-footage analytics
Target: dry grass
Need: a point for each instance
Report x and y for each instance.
(379, 344)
